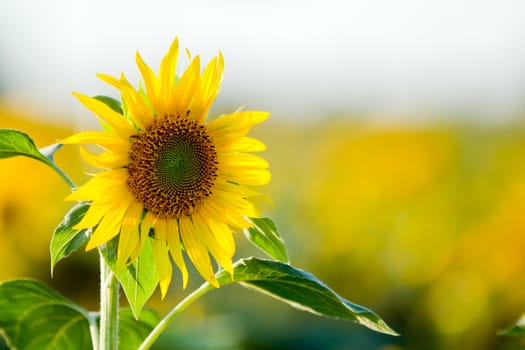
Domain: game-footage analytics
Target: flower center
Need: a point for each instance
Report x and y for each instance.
(173, 166)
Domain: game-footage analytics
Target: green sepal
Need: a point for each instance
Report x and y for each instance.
(139, 278)
(33, 316)
(66, 239)
(112, 103)
(301, 290)
(265, 236)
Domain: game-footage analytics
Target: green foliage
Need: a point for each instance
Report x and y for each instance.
(131, 331)
(66, 239)
(138, 279)
(265, 236)
(301, 290)
(33, 316)
(17, 143)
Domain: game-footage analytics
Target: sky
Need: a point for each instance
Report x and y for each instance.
(301, 60)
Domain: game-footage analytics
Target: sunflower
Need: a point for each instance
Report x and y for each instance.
(167, 172)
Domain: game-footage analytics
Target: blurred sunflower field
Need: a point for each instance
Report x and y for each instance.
(423, 223)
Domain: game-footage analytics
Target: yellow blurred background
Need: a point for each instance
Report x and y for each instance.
(396, 145)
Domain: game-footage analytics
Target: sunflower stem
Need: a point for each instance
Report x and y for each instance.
(64, 176)
(49, 153)
(161, 326)
(93, 329)
(109, 299)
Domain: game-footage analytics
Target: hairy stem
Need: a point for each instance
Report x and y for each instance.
(93, 329)
(109, 299)
(64, 176)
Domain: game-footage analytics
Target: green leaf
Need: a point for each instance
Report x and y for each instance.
(265, 236)
(301, 290)
(33, 316)
(516, 330)
(132, 332)
(17, 143)
(66, 239)
(138, 279)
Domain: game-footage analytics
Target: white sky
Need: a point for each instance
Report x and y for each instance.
(298, 59)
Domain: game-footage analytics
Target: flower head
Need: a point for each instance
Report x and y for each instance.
(169, 174)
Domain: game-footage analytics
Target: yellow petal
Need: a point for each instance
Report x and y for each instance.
(168, 67)
(110, 224)
(162, 259)
(208, 88)
(160, 230)
(150, 81)
(105, 160)
(94, 137)
(121, 148)
(220, 211)
(185, 89)
(129, 234)
(98, 187)
(196, 250)
(137, 108)
(110, 80)
(213, 241)
(223, 235)
(93, 216)
(238, 123)
(242, 191)
(243, 144)
(255, 117)
(173, 239)
(115, 120)
(242, 161)
(234, 201)
(249, 177)
(145, 226)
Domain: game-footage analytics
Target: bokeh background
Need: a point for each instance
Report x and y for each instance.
(396, 143)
